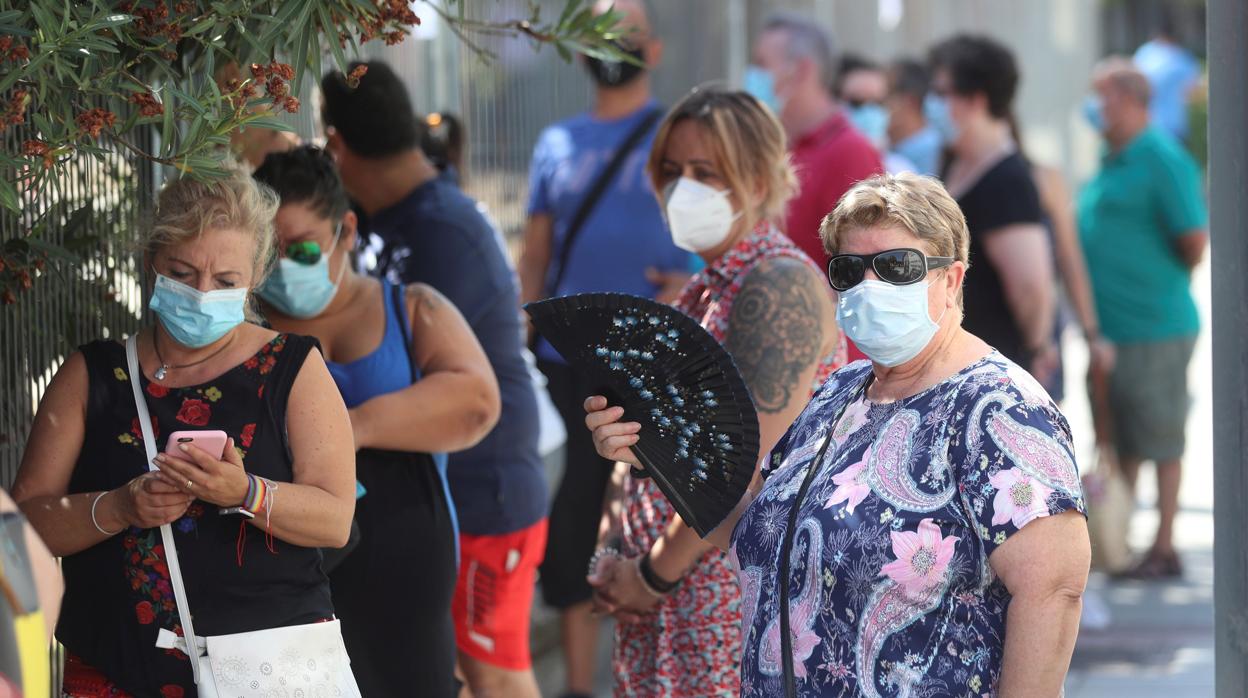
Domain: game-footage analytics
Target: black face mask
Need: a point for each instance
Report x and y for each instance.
(615, 73)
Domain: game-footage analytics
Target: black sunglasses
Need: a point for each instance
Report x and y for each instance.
(899, 267)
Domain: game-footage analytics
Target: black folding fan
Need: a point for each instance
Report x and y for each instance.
(699, 430)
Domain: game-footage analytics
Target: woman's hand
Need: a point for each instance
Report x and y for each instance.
(612, 437)
(220, 482)
(147, 501)
(618, 589)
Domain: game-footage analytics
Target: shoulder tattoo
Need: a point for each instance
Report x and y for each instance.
(776, 332)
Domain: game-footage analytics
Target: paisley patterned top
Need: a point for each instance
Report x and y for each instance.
(690, 643)
(890, 590)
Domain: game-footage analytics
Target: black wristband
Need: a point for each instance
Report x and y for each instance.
(653, 580)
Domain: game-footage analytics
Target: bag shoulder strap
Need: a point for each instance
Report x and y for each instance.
(166, 531)
(596, 190)
(398, 296)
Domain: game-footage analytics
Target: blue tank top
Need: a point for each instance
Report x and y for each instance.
(387, 369)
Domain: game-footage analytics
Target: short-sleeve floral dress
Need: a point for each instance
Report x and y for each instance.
(689, 645)
(890, 589)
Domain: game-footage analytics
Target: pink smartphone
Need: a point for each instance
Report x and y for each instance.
(211, 442)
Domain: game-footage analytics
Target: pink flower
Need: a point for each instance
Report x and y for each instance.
(922, 558)
(805, 639)
(850, 487)
(1020, 498)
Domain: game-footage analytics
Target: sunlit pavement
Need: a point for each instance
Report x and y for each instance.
(1157, 637)
(1159, 640)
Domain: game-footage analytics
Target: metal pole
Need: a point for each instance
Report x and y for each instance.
(1228, 171)
(737, 46)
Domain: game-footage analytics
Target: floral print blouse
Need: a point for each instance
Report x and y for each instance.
(890, 589)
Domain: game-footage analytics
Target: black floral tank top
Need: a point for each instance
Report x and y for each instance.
(117, 593)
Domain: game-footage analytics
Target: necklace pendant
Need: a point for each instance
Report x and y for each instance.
(161, 373)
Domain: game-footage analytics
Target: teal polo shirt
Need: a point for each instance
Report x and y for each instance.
(1131, 214)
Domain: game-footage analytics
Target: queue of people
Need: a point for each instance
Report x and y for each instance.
(346, 319)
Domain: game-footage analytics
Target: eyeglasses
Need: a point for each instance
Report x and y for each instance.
(900, 267)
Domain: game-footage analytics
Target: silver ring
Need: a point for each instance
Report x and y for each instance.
(190, 484)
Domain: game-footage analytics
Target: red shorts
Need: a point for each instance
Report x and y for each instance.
(494, 595)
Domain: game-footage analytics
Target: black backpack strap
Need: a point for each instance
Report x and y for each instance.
(594, 195)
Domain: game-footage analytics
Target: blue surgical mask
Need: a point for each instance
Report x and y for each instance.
(936, 111)
(760, 83)
(889, 323)
(303, 290)
(1094, 112)
(871, 120)
(195, 318)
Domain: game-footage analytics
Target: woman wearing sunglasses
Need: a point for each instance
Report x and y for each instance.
(920, 528)
(416, 382)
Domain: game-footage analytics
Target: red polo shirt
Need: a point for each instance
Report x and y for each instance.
(829, 160)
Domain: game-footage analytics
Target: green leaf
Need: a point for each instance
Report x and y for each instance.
(111, 21)
(8, 195)
(332, 39)
(167, 126)
(201, 26)
(267, 122)
(282, 20)
(568, 10)
(52, 249)
(45, 21)
(193, 133)
(42, 123)
(189, 101)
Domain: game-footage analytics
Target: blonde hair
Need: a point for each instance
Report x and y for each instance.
(188, 207)
(747, 140)
(915, 203)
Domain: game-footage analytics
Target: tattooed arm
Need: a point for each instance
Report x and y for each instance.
(453, 405)
(781, 323)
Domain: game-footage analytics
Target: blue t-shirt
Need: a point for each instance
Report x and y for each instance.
(1171, 71)
(922, 149)
(437, 236)
(624, 234)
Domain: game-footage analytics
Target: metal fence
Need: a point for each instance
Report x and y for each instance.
(94, 210)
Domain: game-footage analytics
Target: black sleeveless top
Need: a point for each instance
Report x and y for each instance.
(117, 593)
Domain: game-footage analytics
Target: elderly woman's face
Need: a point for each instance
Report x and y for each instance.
(942, 283)
(211, 261)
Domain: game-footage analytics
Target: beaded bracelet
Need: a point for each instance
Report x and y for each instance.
(599, 555)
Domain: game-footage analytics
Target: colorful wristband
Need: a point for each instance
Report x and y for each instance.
(257, 490)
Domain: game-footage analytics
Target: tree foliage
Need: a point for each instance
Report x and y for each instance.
(170, 80)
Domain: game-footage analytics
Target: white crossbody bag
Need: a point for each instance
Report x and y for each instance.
(308, 660)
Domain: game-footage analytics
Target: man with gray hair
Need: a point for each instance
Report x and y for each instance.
(1142, 221)
(794, 65)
